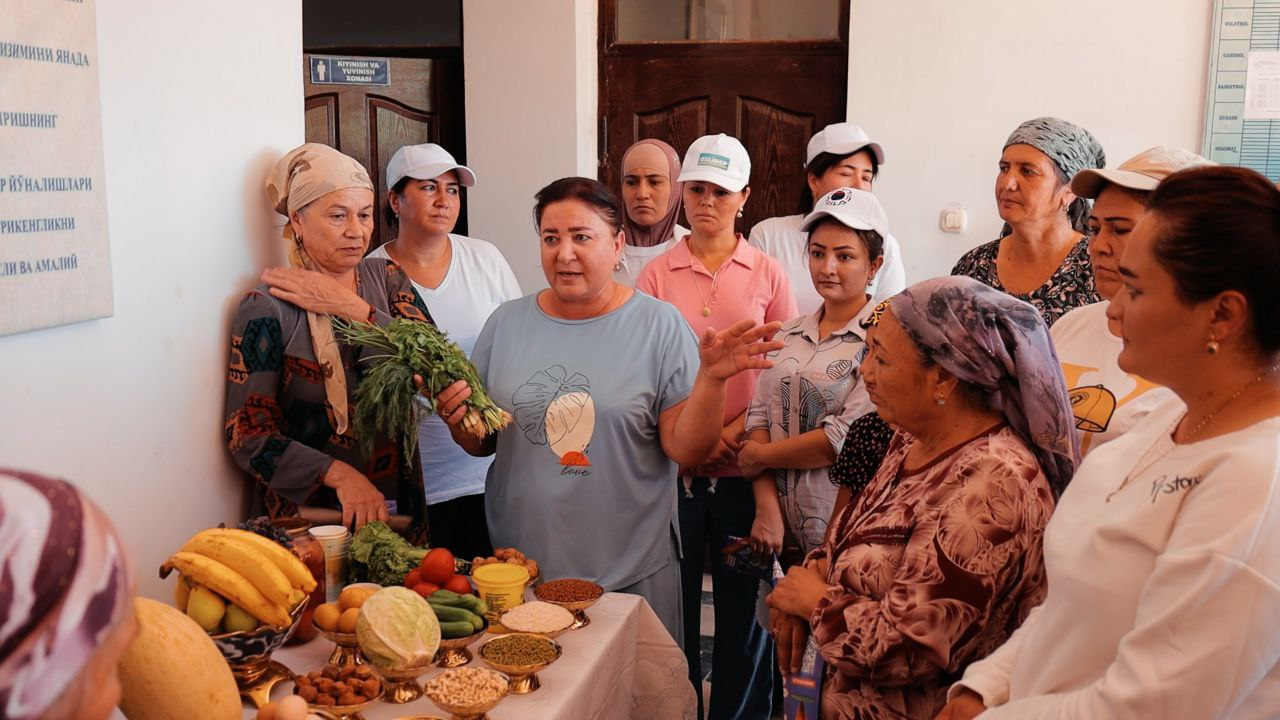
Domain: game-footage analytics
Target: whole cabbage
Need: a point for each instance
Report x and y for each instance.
(397, 628)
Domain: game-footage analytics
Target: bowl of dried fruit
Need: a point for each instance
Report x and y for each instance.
(467, 693)
(344, 692)
(509, 555)
(572, 594)
(521, 656)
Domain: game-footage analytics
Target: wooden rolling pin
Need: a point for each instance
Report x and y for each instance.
(329, 516)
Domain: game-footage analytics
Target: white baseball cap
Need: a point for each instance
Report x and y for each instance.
(425, 162)
(843, 138)
(857, 209)
(718, 159)
(1143, 171)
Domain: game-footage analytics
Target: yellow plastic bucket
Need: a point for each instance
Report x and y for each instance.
(501, 585)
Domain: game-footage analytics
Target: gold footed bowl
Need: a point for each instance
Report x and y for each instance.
(577, 607)
(474, 711)
(400, 685)
(346, 650)
(524, 678)
(453, 652)
(249, 655)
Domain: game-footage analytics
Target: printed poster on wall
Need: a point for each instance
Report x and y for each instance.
(55, 264)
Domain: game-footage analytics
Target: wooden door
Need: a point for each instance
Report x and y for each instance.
(771, 94)
(421, 104)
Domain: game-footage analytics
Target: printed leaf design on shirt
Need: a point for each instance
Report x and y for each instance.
(813, 404)
(839, 368)
(555, 408)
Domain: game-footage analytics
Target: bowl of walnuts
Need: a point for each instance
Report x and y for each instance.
(344, 692)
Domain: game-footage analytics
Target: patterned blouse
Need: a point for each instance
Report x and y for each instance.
(280, 428)
(934, 568)
(1071, 285)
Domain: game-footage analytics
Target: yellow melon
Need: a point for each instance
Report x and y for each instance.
(173, 670)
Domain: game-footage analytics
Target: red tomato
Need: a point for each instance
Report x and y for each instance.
(458, 584)
(437, 566)
(413, 578)
(425, 589)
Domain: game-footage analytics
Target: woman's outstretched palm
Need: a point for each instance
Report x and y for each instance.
(740, 347)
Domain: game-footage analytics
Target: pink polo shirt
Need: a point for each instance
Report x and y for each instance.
(750, 285)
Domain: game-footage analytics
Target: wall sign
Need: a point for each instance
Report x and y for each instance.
(55, 263)
(1242, 123)
(330, 70)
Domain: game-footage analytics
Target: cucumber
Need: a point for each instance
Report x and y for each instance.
(452, 599)
(445, 597)
(456, 629)
(448, 613)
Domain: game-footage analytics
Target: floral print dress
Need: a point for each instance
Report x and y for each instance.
(933, 569)
(1071, 285)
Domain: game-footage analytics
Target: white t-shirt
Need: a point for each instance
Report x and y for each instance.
(1107, 401)
(634, 258)
(782, 238)
(1163, 602)
(477, 282)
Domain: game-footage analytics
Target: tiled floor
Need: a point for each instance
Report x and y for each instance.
(708, 629)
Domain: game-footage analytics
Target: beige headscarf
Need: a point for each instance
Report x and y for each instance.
(303, 175)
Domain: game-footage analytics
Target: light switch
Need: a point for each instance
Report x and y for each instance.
(953, 218)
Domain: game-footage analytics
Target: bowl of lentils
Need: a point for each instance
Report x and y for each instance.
(572, 594)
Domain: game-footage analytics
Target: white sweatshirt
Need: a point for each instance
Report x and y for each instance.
(1163, 602)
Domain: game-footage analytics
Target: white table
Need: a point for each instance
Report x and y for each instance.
(624, 665)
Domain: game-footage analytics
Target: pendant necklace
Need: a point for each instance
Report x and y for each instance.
(706, 304)
(1166, 442)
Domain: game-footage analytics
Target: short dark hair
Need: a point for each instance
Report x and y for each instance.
(871, 240)
(824, 161)
(1219, 229)
(389, 214)
(594, 193)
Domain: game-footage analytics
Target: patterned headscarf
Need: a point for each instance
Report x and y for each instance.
(64, 585)
(303, 175)
(1070, 147)
(1000, 344)
(655, 155)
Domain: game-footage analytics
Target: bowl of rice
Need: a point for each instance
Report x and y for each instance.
(539, 618)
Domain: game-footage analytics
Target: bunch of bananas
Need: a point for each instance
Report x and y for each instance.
(237, 580)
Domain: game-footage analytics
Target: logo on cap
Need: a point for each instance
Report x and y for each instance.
(838, 197)
(713, 160)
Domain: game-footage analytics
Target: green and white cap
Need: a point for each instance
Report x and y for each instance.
(718, 159)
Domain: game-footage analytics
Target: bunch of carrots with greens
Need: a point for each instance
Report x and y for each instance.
(387, 397)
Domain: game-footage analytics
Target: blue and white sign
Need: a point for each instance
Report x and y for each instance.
(331, 70)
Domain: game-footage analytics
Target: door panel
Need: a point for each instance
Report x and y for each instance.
(764, 128)
(422, 104)
(680, 123)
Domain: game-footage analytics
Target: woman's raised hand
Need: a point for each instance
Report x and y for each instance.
(741, 347)
(315, 292)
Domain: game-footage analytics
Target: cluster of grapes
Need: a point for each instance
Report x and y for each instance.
(262, 526)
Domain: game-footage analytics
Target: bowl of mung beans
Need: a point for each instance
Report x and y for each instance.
(467, 693)
(572, 594)
(520, 656)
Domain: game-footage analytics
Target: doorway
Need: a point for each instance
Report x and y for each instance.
(769, 72)
(386, 76)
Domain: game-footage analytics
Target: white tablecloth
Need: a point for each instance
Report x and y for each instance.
(624, 665)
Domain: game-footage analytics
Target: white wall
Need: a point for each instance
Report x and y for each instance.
(197, 100)
(531, 88)
(940, 84)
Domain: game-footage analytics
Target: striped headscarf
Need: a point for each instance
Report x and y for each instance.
(64, 585)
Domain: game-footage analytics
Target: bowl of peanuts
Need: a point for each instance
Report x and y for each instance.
(467, 693)
(342, 692)
(572, 594)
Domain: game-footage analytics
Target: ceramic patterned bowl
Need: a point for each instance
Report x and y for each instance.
(249, 653)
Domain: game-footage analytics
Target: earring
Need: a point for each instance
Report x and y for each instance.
(940, 401)
(617, 267)
(739, 212)
(1211, 347)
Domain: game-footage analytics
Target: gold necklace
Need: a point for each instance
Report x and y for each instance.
(1167, 437)
(706, 305)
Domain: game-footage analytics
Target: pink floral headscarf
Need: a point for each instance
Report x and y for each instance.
(64, 585)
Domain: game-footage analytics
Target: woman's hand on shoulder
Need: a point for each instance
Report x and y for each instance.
(741, 347)
(315, 292)
(965, 705)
